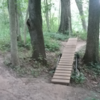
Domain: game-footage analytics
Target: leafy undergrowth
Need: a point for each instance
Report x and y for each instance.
(87, 76)
(56, 36)
(80, 35)
(29, 67)
(51, 41)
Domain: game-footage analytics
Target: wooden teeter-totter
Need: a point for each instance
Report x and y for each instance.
(64, 68)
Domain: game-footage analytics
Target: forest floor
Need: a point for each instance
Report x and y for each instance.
(29, 88)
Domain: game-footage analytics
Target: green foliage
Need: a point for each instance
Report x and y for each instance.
(51, 45)
(94, 68)
(81, 35)
(50, 40)
(56, 36)
(35, 72)
(78, 78)
(4, 41)
(91, 98)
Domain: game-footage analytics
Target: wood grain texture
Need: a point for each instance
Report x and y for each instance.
(64, 69)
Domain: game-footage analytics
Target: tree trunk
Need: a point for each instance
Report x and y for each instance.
(69, 18)
(65, 16)
(20, 14)
(80, 8)
(47, 15)
(8, 5)
(18, 22)
(25, 26)
(12, 16)
(35, 28)
(92, 47)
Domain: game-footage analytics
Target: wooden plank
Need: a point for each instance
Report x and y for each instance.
(70, 51)
(71, 43)
(61, 77)
(61, 66)
(66, 60)
(63, 74)
(67, 56)
(60, 81)
(66, 64)
(69, 48)
(72, 39)
(60, 71)
(64, 68)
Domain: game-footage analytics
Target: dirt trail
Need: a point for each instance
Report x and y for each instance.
(12, 88)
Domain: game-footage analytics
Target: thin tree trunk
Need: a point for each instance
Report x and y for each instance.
(47, 15)
(25, 26)
(35, 28)
(8, 5)
(12, 16)
(92, 47)
(59, 13)
(20, 14)
(18, 23)
(80, 8)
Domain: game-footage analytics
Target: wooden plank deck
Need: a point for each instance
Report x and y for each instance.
(63, 71)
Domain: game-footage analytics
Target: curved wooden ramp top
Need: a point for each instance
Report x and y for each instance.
(63, 71)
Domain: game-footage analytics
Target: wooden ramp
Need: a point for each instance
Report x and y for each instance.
(63, 71)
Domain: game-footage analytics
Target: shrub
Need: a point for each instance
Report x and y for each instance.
(78, 78)
(51, 45)
(81, 35)
(95, 68)
(57, 36)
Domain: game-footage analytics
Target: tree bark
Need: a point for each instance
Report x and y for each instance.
(25, 26)
(47, 15)
(20, 14)
(17, 20)
(13, 32)
(17, 23)
(92, 47)
(80, 8)
(65, 16)
(35, 28)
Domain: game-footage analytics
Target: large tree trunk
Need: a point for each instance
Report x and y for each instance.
(35, 28)
(92, 47)
(12, 16)
(65, 17)
(80, 8)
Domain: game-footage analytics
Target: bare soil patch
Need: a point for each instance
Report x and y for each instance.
(30, 87)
